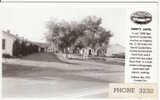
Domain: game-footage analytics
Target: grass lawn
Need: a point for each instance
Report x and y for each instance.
(27, 78)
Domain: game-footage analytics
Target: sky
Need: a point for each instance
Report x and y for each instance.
(29, 21)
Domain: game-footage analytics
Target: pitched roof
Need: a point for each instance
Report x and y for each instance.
(9, 34)
(42, 45)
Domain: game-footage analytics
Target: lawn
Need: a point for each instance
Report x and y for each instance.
(25, 77)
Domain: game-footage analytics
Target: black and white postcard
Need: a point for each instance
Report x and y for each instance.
(79, 50)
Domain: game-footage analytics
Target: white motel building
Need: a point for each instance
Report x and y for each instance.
(7, 42)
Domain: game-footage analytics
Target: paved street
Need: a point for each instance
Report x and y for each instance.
(36, 77)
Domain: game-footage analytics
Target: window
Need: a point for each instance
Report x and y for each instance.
(3, 43)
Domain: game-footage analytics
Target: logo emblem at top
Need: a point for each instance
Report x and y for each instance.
(141, 17)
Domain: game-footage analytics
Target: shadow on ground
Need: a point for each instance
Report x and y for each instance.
(47, 73)
(45, 57)
(104, 60)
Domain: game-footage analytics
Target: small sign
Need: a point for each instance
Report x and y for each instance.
(133, 90)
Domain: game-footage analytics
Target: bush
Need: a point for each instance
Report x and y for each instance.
(16, 48)
(121, 55)
(6, 56)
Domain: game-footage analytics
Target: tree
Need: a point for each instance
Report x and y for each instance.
(17, 48)
(24, 50)
(86, 33)
(94, 33)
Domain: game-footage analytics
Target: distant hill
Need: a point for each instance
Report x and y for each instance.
(115, 49)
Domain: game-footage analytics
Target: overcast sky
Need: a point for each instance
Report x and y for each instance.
(29, 20)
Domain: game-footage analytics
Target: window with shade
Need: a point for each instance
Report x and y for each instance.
(3, 43)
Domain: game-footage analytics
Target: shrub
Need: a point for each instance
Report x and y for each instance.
(16, 48)
(6, 56)
(121, 55)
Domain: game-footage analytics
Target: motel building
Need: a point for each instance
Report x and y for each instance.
(7, 42)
